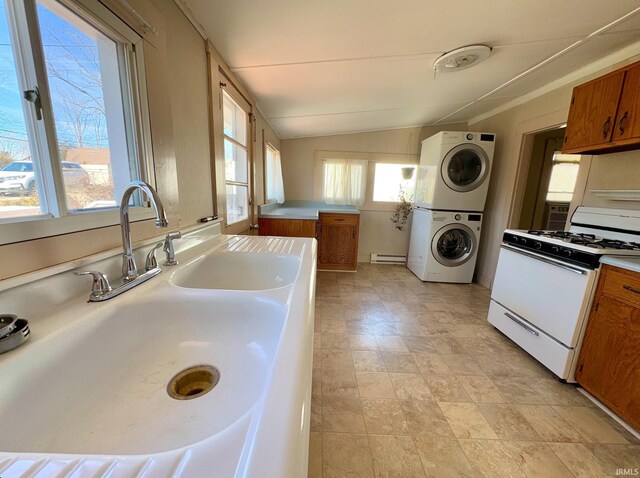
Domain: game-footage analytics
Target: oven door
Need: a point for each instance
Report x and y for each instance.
(551, 295)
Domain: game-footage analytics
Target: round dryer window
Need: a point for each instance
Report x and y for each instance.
(465, 167)
(453, 245)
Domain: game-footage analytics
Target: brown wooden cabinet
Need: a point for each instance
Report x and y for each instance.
(604, 112)
(338, 241)
(287, 227)
(609, 362)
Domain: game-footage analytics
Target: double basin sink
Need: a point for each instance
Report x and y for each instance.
(96, 392)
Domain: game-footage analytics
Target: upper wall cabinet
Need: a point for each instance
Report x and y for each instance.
(605, 113)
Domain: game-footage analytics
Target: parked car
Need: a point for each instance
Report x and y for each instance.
(18, 177)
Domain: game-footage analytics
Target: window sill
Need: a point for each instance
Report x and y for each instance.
(32, 228)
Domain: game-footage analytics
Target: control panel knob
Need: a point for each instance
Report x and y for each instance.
(537, 245)
(469, 136)
(555, 249)
(523, 241)
(457, 217)
(567, 252)
(516, 239)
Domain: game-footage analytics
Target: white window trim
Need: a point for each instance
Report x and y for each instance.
(46, 225)
(267, 146)
(372, 158)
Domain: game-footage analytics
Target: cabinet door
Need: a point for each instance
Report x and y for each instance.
(609, 363)
(338, 242)
(628, 119)
(593, 110)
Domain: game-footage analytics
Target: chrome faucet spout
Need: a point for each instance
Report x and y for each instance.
(129, 269)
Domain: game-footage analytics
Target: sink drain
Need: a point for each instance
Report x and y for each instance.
(193, 382)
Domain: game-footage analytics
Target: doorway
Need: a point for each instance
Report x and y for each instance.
(550, 182)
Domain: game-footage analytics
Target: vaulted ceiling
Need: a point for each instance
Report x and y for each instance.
(339, 66)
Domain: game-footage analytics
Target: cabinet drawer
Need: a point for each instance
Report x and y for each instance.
(339, 219)
(553, 355)
(623, 285)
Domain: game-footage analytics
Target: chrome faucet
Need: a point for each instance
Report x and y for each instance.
(102, 289)
(129, 269)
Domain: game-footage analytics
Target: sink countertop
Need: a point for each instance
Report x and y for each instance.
(629, 263)
(302, 210)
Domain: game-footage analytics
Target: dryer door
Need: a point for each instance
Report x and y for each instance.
(453, 245)
(465, 167)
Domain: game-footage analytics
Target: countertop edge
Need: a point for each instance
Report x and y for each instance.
(625, 262)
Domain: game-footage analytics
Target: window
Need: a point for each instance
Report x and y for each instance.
(564, 173)
(345, 181)
(236, 161)
(393, 181)
(274, 185)
(71, 137)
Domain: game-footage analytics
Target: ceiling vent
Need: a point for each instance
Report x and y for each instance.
(461, 58)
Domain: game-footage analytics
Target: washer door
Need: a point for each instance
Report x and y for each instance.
(465, 167)
(453, 245)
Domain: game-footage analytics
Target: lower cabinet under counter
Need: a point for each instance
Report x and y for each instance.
(337, 235)
(609, 362)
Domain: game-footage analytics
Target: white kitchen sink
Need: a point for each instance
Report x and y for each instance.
(239, 271)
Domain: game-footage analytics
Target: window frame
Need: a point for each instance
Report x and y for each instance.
(267, 146)
(56, 219)
(372, 158)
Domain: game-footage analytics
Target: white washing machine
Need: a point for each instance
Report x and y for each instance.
(454, 171)
(444, 245)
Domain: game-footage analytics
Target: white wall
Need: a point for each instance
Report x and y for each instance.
(377, 232)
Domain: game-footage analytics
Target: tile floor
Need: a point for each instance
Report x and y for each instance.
(409, 380)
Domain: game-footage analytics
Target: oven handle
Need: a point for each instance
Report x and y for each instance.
(525, 327)
(548, 260)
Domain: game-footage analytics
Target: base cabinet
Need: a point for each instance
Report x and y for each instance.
(287, 227)
(609, 362)
(338, 241)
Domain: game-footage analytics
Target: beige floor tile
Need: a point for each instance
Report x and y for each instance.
(333, 326)
(448, 345)
(368, 361)
(481, 389)
(375, 385)
(492, 365)
(315, 455)
(462, 364)
(518, 391)
(410, 386)
(490, 458)
(616, 457)
(549, 424)
(556, 393)
(335, 341)
(395, 456)
(431, 364)
(536, 460)
(316, 382)
(443, 458)
(342, 414)
(346, 455)
(339, 382)
(336, 359)
(317, 340)
(420, 344)
(447, 388)
(391, 343)
(466, 421)
(579, 458)
(425, 419)
(590, 425)
(384, 417)
(396, 362)
(317, 358)
(508, 422)
(363, 342)
(316, 413)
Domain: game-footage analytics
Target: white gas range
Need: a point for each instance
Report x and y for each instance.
(545, 282)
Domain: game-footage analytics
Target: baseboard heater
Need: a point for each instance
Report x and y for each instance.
(378, 258)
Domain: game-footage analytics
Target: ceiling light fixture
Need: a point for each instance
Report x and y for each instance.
(461, 58)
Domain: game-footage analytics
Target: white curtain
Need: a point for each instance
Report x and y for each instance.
(345, 181)
(274, 182)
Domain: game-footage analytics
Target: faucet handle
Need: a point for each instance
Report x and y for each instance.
(100, 284)
(151, 262)
(169, 249)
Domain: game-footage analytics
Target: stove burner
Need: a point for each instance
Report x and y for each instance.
(589, 240)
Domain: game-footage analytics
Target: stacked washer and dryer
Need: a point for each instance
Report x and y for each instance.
(451, 190)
